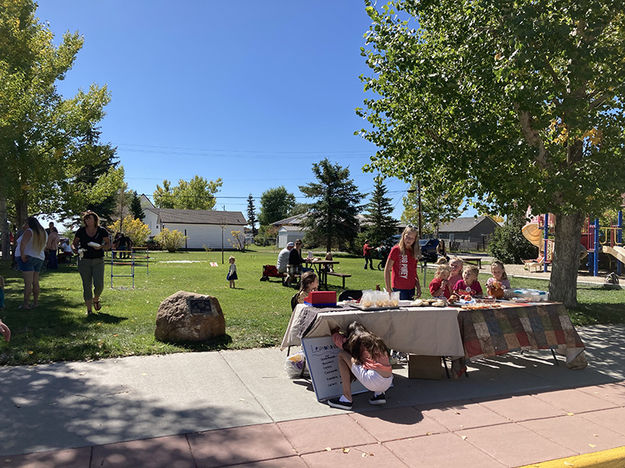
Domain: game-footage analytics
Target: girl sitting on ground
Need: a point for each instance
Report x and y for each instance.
(469, 286)
(364, 356)
(309, 283)
(440, 286)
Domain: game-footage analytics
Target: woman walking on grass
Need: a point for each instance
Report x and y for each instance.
(90, 243)
(29, 253)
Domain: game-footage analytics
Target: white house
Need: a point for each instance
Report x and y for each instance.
(203, 228)
(290, 229)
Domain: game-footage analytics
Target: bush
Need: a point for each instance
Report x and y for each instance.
(509, 246)
(170, 240)
(135, 229)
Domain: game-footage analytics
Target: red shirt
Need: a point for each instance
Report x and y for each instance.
(366, 249)
(435, 285)
(404, 274)
(462, 289)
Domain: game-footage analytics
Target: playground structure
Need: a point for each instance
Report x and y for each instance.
(135, 257)
(595, 239)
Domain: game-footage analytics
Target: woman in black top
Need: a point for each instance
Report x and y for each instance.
(90, 242)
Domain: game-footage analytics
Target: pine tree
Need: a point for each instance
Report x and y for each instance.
(380, 225)
(332, 217)
(135, 207)
(251, 214)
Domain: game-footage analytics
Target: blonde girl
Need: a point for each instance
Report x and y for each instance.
(400, 271)
(469, 285)
(30, 255)
(498, 271)
(456, 264)
(232, 272)
(440, 285)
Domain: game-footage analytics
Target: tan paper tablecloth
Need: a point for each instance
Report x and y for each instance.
(429, 331)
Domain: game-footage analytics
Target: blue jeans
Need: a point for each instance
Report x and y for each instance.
(405, 294)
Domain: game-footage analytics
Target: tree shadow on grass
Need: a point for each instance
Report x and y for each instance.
(598, 312)
(103, 317)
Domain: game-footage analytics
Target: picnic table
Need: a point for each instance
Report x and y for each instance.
(473, 261)
(321, 267)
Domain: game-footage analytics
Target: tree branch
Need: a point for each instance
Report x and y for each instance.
(532, 136)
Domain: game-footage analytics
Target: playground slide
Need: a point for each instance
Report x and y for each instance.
(617, 252)
(534, 234)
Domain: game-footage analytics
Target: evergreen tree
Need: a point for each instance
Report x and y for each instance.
(380, 225)
(135, 207)
(332, 217)
(251, 214)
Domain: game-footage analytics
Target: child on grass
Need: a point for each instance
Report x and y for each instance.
(232, 272)
(469, 285)
(364, 356)
(440, 285)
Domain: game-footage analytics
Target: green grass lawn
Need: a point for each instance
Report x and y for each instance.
(256, 313)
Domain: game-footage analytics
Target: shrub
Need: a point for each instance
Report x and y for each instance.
(135, 229)
(509, 246)
(170, 240)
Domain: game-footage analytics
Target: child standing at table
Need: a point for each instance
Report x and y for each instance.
(440, 285)
(469, 285)
(309, 283)
(455, 275)
(366, 357)
(232, 272)
(329, 268)
(498, 271)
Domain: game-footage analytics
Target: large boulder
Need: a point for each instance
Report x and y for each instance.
(186, 316)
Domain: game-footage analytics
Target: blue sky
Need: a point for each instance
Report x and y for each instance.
(252, 92)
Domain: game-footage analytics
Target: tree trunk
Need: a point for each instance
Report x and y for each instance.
(563, 284)
(4, 229)
(21, 210)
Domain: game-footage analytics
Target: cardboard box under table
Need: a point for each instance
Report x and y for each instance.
(425, 367)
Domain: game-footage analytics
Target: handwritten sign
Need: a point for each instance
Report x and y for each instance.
(323, 365)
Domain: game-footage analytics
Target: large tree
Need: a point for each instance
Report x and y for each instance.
(41, 134)
(336, 202)
(197, 194)
(275, 204)
(380, 224)
(520, 101)
(251, 214)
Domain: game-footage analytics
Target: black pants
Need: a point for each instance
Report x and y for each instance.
(369, 261)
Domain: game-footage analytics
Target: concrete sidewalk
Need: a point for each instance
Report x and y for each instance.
(238, 407)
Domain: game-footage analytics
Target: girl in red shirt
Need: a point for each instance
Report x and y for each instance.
(402, 263)
(440, 286)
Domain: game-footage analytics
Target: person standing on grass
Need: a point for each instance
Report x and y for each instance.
(283, 258)
(30, 255)
(90, 242)
(295, 263)
(366, 252)
(402, 263)
(52, 246)
(232, 272)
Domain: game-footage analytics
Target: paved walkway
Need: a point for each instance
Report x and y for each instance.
(239, 408)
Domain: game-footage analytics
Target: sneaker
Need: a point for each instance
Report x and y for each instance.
(378, 400)
(337, 403)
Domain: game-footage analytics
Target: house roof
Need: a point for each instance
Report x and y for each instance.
(293, 228)
(465, 224)
(170, 215)
(292, 220)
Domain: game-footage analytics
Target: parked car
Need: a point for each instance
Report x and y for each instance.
(428, 250)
